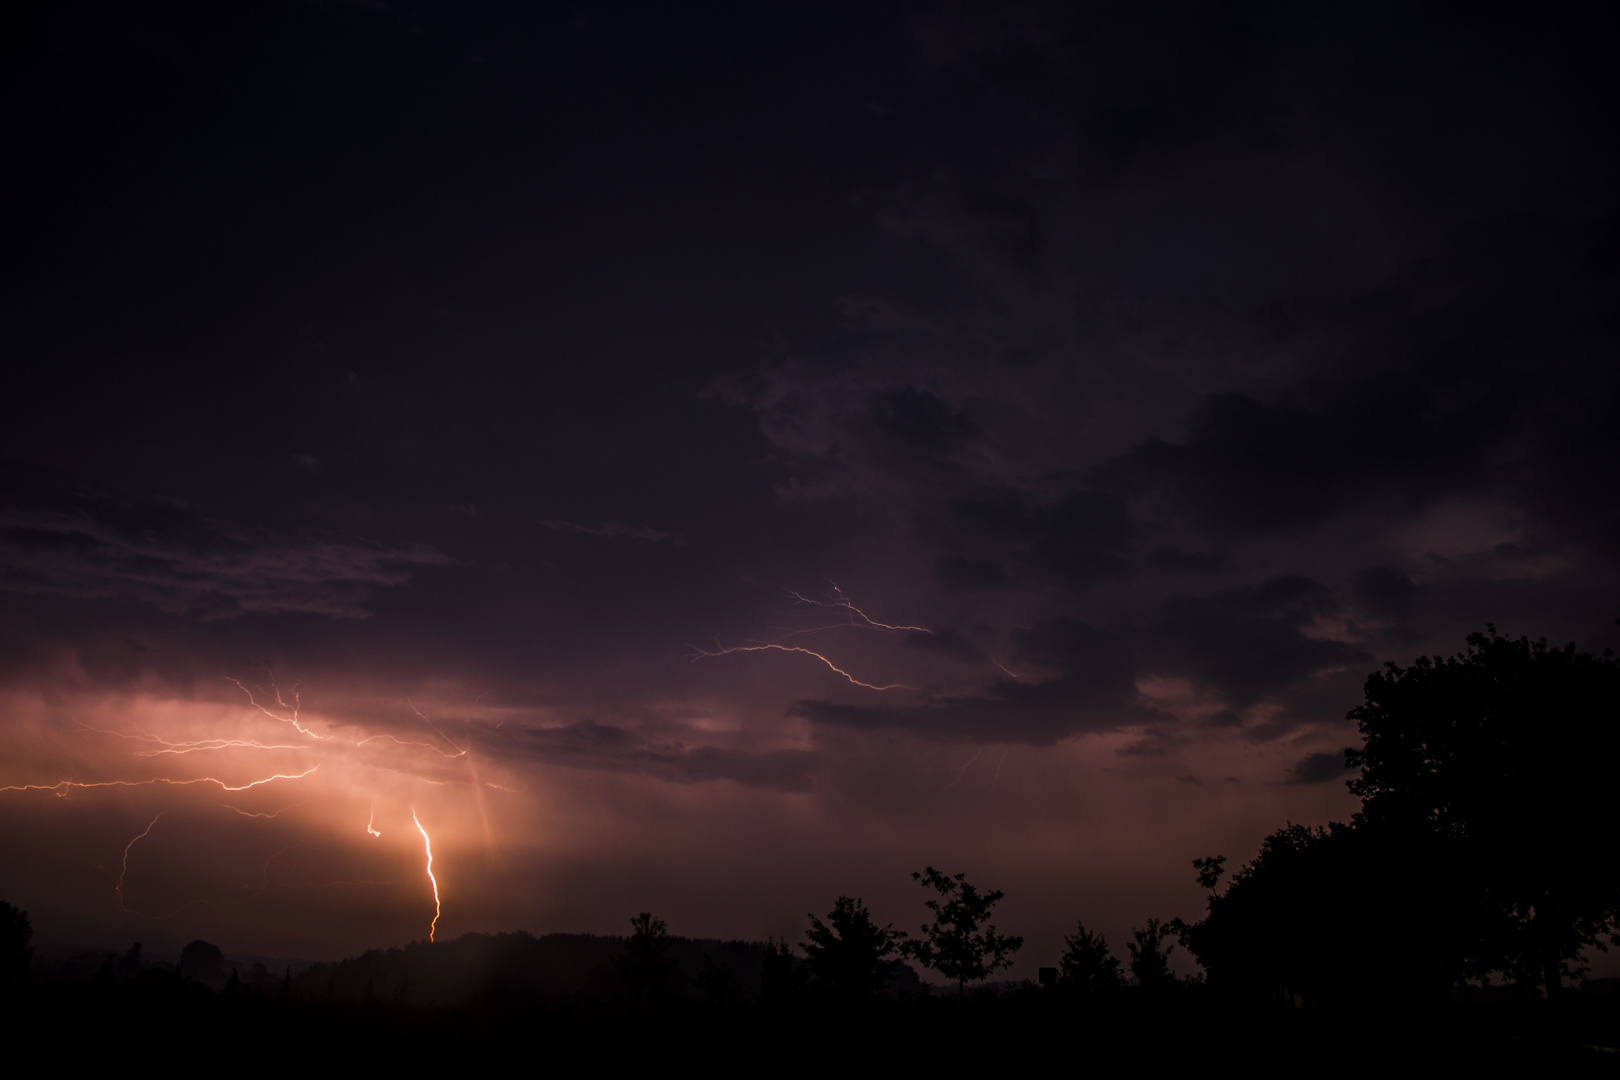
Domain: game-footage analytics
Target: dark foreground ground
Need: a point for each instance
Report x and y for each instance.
(185, 1025)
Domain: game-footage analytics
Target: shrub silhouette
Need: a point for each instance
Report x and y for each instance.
(15, 953)
(850, 957)
(1150, 958)
(1086, 965)
(644, 967)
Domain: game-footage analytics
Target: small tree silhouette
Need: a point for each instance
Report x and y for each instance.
(781, 976)
(853, 958)
(202, 961)
(1150, 958)
(954, 945)
(645, 969)
(15, 933)
(1086, 965)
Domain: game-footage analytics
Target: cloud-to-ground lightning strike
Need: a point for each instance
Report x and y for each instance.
(427, 846)
(284, 708)
(725, 651)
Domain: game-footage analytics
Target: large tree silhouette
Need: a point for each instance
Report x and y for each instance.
(1482, 845)
(1506, 753)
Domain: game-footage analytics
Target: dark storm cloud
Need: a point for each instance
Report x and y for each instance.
(1386, 592)
(589, 745)
(961, 574)
(1095, 691)
(1082, 537)
(611, 530)
(1247, 644)
(946, 642)
(1319, 768)
(168, 555)
(1253, 467)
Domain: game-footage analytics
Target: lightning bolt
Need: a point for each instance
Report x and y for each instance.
(284, 707)
(965, 765)
(118, 887)
(249, 813)
(280, 703)
(843, 604)
(62, 787)
(427, 846)
(726, 651)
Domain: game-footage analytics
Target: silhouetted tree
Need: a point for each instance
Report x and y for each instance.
(1150, 958)
(1086, 965)
(782, 977)
(1505, 753)
(850, 957)
(203, 962)
(130, 965)
(1345, 914)
(646, 970)
(954, 944)
(1210, 871)
(15, 953)
(718, 983)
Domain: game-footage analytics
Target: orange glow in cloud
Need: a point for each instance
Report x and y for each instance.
(198, 764)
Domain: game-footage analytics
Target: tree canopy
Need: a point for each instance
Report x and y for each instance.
(1086, 965)
(850, 957)
(1481, 846)
(644, 966)
(1508, 752)
(958, 944)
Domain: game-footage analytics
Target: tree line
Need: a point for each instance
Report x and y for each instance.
(1482, 849)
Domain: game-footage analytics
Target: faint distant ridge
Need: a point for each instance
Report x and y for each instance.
(518, 964)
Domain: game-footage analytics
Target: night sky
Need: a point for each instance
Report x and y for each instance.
(709, 460)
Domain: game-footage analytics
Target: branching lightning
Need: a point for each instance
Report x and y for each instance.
(283, 707)
(297, 704)
(854, 618)
(63, 786)
(726, 651)
(427, 846)
(857, 617)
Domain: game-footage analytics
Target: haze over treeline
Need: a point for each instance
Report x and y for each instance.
(502, 467)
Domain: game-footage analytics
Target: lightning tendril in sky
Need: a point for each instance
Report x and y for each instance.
(855, 618)
(123, 867)
(725, 651)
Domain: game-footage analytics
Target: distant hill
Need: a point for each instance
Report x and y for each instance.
(555, 965)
